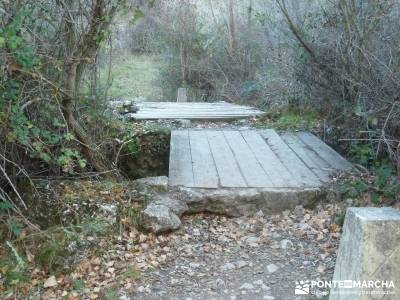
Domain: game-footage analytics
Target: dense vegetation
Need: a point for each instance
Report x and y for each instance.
(333, 66)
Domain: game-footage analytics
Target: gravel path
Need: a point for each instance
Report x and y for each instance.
(214, 257)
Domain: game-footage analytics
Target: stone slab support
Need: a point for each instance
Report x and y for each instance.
(368, 262)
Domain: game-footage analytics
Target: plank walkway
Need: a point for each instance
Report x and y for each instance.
(207, 158)
(193, 111)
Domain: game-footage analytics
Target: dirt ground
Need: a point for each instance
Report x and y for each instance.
(260, 257)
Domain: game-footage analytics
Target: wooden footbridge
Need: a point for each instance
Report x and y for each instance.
(213, 159)
(220, 159)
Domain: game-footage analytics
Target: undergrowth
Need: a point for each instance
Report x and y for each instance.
(289, 119)
(57, 250)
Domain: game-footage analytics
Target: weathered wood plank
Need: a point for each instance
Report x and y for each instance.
(163, 104)
(192, 110)
(289, 158)
(279, 174)
(251, 169)
(225, 162)
(249, 158)
(196, 113)
(320, 167)
(204, 171)
(180, 167)
(334, 159)
(199, 117)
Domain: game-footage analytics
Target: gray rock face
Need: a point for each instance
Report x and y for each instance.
(159, 183)
(249, 201)
(160, 218)
(176, 206)
(231, 202)
(369, 251)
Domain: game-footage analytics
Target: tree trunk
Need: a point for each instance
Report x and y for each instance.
(232, 28)
(79, 53)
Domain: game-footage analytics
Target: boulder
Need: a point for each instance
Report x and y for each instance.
(158, 183)
(369, 254)
(248, 201)
(159, 218)
(176, 206)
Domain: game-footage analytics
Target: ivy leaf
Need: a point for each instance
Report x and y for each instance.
(5, 205)
(69, 136)
(375, 198)
(15, 228)
(137, 14)
(82, 163)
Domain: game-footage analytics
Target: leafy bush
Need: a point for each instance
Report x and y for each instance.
(289, 120)
(382, 187)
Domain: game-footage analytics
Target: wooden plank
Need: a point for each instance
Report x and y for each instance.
(211, 115)
(334, 159)
(320, 167)
(251, 169)
(197, 110)
(180, 163)
(225, 162)
(204, 171)
(193, 110)
(278, 173)
(188, 104)
(180, 106)
(200, 117)
(163, 104)
(289, 158)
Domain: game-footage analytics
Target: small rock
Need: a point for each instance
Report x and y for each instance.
(265, 287)
(299, 210)
(271, 268)
(286, 244)
(194, 265)
(268, 297)
(259, 282)
(306, 263)
(223, 239)
(303, 226)
(219, 282)
(196, 232)
(252, 241)
(160, 218)
(228, 266)
(321, 269)
(109, 208)
(276, 235)
(241, 264)
(247, 286)
(349, 201)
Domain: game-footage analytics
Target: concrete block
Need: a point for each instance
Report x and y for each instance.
(368, 262)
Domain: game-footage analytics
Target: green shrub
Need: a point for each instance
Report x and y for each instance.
(383, 187)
